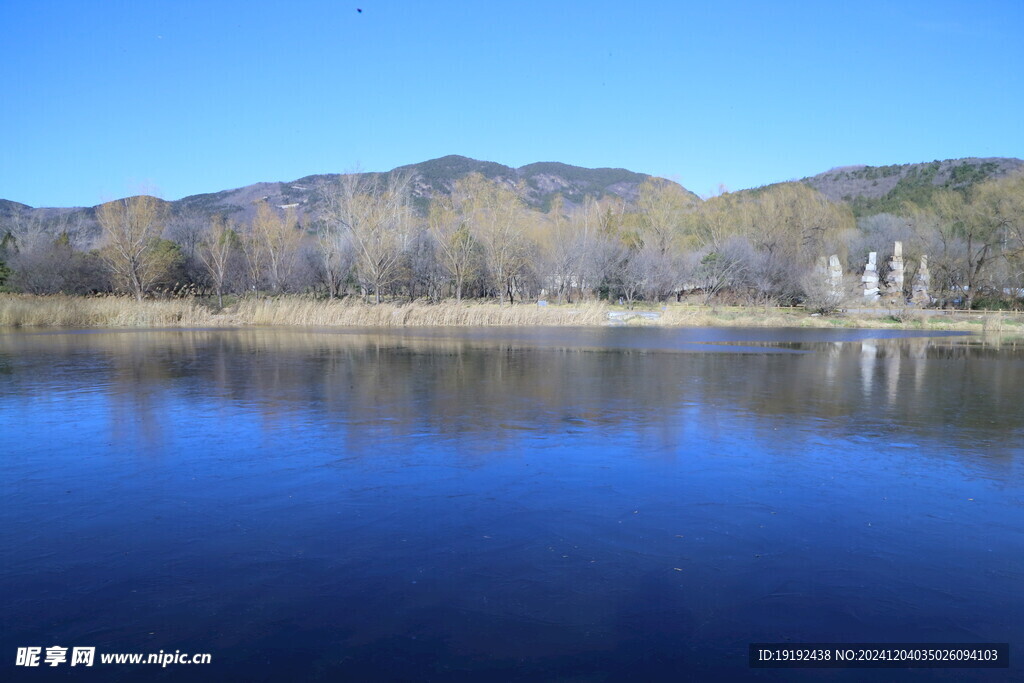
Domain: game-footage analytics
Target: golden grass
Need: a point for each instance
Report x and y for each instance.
(348, 313)
(26, 310)
(23, 310)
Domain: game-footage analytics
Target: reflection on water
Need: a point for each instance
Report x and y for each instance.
(475, 504)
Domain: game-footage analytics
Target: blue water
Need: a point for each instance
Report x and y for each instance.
(592, 505)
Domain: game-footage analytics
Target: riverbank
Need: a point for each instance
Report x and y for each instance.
(22, 310)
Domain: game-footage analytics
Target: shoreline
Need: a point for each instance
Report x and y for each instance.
(20, 311)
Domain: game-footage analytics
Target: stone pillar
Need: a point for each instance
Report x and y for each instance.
(821, 266)
(894, 280)
(835, 276)
(919, 290)
(870, 278)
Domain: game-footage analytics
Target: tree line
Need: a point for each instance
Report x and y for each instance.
(365, 239)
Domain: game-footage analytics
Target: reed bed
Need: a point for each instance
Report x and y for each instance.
(305, 312)
(24, 310)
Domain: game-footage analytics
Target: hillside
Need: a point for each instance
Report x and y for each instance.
(868, 189)
(537, 183)
(884, 189)
(540, 183)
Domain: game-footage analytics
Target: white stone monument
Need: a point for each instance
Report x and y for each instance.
(894, 280)
(870, 278)
(919, 290)
(835, 276)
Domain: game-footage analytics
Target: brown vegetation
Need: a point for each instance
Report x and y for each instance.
(480, 241)
(69, 312)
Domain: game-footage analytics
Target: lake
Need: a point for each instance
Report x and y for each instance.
(507, 504)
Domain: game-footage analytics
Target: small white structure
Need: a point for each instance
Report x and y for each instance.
(919, 291)
(894, 280)
(835, 276)
(870, 278)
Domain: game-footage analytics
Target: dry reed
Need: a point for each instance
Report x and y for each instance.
(294, 311)
(23, 310)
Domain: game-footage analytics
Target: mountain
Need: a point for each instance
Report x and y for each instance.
(536, 183)
(539, 184)
(868, 189)
(541, 181)
(9, 209)
(883, 189)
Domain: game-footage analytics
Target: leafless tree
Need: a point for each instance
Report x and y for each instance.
(499, 225)
(131, 231)
(449, 221)
(216, 250)
(278, 238)
(373, 214)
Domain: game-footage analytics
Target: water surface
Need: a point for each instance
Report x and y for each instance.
(508, 504)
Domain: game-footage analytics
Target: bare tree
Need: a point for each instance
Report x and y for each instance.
(278, 239)
(255, 254)
(335, 257)
(717, 270)
(216, 250)
(498, 224)
(334, 250)
(131, 230)
(373, 214)
(42, 265)
(187, 227)
(631, 274)
(449, 223)
(603, 262)
(567, 243)
(421, 270)
(667, 214)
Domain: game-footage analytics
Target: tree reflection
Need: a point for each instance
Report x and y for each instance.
(445, 386)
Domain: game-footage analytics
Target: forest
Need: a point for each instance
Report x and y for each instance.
(368, 239)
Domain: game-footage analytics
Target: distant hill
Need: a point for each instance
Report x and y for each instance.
(9, 209)
(868, 189)
(538, 184)
(880, 189)
(542, 181)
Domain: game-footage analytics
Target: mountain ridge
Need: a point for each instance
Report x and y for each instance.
(536, 183)
(884, 189)
(868, 189)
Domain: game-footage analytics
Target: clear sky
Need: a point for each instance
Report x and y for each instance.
(103, 99)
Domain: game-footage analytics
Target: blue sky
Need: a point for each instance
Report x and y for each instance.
(106, 99)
